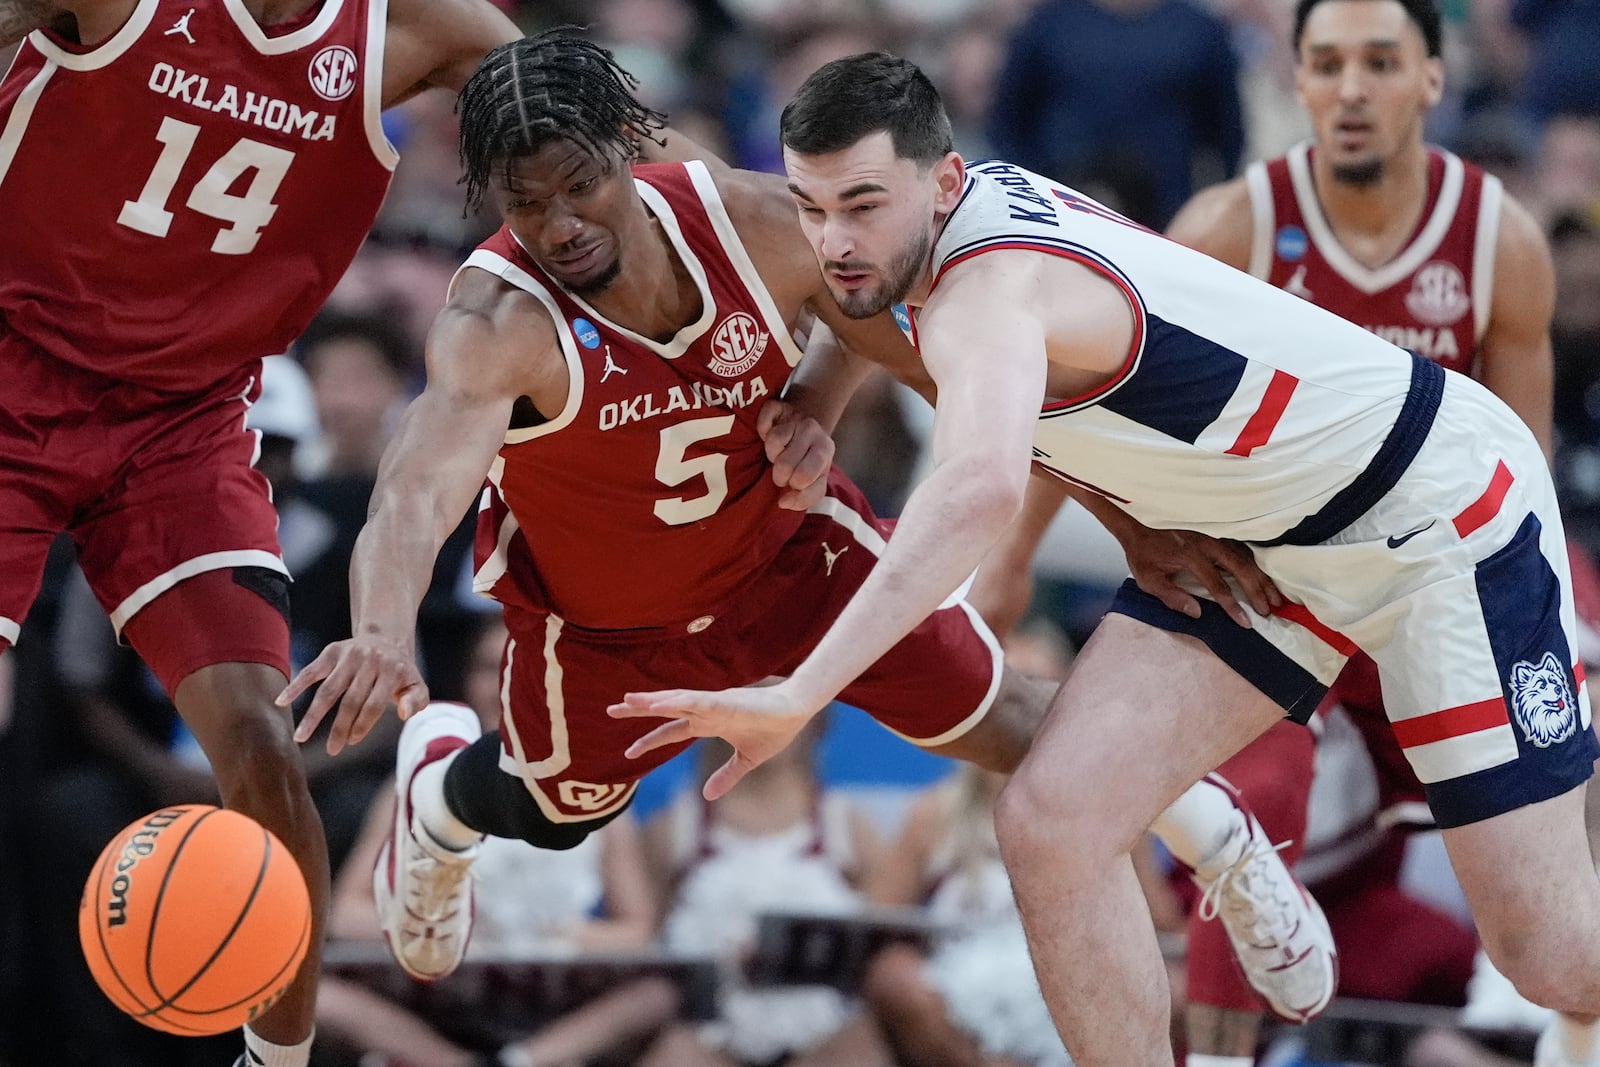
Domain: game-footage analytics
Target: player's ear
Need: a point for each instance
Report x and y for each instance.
(1433, 72)
(950, 178)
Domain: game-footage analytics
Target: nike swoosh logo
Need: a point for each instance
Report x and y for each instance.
(1396, 542)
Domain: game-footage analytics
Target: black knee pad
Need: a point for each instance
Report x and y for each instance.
(493, 802)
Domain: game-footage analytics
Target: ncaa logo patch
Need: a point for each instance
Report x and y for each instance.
(587, 335)
(1291, 244)
(1542, 701)
(737, 345)
(333, 72)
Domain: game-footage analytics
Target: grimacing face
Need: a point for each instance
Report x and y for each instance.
(1367, 81)
(566, 206)
(869, 216)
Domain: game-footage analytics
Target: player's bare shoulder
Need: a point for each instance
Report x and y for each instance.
(89, 22)
(764, 215)
(438, 43)
(1218, 221)
(493, 339)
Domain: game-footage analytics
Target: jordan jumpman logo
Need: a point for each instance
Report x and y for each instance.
(182, 26)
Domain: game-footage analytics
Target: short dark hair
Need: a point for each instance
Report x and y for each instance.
(851, 98)
(551, 86)
(1424, 14)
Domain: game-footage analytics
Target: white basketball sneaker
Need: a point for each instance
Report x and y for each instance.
(424, 890)
(1279, 934)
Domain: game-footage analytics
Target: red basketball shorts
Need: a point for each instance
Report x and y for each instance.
(154, 487)
(557, 679)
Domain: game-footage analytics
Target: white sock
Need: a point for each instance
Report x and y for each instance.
(1196, 1059)
(1579, 1040)
(433, 809)
(263, 1053)
(1200, 826)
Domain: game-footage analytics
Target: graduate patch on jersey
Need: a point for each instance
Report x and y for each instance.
(1292, 244)
(585, 332)
(333, 72)
(737, 345)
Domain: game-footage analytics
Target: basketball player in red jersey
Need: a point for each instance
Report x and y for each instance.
(1406, 239)
(611, 359)
(183, 184)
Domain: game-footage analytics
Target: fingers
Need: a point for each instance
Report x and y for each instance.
(660, 705)
(771, 413)
(1261, 591)
(1175, 598)
(727, 776)
(676, 732)
(309, 675)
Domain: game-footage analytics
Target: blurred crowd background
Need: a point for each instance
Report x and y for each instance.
(1138, 102)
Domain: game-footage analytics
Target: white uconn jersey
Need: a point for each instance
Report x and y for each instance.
(1241, 410)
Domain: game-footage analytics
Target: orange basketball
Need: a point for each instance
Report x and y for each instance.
(194, 919)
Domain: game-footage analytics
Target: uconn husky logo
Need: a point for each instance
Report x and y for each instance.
(1543, 701)
(737, 345)
(333, 72)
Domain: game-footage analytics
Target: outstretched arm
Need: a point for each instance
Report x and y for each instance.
(430, 475)
(987, 354)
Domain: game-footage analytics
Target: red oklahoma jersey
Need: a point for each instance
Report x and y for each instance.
(1432, 297)
(648, 500)
(189, 153)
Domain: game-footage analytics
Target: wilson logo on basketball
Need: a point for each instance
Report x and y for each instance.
(333, 72)
(737, 345)
(140, 844)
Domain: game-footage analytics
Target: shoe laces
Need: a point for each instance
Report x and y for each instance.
(1248, 889)
(435, 886)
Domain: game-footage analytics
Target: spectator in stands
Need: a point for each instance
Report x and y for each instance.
(1563, 72)
(1098, 90)
(778, 842)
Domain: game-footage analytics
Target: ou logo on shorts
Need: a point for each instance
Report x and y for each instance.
(737, 345)
(333, 72)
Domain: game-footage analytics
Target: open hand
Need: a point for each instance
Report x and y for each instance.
(365, 675)
(758, 721)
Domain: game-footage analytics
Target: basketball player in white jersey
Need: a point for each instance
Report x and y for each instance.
(1400, 510)
(566, 379)
(1404, 238)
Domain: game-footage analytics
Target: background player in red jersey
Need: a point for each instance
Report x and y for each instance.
(1423, 249)
(183, 185)
(609, 359)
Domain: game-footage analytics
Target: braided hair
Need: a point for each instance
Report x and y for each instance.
(551, 86)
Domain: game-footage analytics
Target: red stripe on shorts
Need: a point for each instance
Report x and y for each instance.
(1265, 419)
(1487, 506)
(1332, 638)
(1451, 722)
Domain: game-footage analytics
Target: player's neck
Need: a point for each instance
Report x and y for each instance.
(1373, 221)
(655, 296)
(271, 13)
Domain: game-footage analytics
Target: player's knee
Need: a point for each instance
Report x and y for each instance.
(1543, 973)
(251, 744)
(1025, 812)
